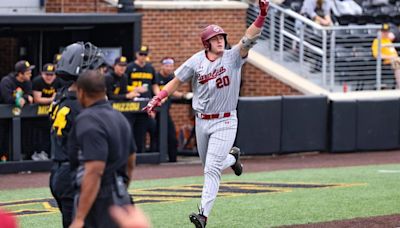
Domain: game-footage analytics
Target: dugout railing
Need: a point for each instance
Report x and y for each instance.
(272, 125)
(329, 56)
(14, 161)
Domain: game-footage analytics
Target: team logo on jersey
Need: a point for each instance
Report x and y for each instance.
(210, 76)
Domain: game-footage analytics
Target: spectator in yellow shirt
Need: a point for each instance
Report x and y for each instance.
(388, 53)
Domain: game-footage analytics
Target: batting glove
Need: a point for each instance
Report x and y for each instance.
(264, 5)
(153, 103)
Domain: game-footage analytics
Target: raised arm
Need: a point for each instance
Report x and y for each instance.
(254, 31)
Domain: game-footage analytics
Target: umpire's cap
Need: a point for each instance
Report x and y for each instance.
(77, 58)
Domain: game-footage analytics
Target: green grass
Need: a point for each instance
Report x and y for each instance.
(376, 194)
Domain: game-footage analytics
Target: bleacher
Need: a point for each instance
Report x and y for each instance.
(373, 13)
(332, 56)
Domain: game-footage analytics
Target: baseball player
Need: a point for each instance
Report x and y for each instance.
(165, 75)
(215, 73)
(44, 89)
(141, 78)
(75, 59)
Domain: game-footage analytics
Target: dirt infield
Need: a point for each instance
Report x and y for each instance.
(190, 166)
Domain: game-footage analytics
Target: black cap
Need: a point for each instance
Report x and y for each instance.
(23, 66)
(385, 27)
(144, 50)
(49, 68)
(56, 58)
(121, 61)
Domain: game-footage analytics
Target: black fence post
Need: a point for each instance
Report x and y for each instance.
(163, 134)
(16, 138)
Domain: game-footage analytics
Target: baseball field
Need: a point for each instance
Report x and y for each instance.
(283, 191)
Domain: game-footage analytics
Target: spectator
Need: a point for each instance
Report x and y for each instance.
(165, 75)
(318, 10)
(45, 87)
(388, 53)
(9, 85)
(117, 81)
(21, 78)
(346, 7)
(141, 78)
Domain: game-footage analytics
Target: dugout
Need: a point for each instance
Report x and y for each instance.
(15, 162)
(37, 38)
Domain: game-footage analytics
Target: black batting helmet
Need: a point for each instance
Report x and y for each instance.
(77, 58)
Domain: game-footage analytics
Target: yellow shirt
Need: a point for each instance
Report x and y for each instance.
(387, 52)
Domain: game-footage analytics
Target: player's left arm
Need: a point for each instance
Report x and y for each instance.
(254, 31)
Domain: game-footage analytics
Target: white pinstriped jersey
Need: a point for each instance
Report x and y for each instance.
(215, 84)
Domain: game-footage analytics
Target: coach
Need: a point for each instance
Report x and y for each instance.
(102, 153)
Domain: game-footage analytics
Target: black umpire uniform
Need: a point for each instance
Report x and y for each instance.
(139, 76)
(75, 58)
(102, 134)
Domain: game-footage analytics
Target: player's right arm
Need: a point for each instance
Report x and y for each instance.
(172, 86)
(184, 73)
(168, 89)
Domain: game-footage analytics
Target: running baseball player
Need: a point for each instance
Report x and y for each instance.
(215, 73)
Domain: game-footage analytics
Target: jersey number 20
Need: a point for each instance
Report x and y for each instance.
(222, 82)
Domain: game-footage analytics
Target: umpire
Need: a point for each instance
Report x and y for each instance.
(76, 58)
(102, 153)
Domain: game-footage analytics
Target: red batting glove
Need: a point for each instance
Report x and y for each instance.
(264, 5)
(153, 103)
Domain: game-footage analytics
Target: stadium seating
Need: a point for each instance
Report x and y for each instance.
(354, 63)
(372, 14)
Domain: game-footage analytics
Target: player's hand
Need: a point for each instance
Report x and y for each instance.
(264, 5)
(30, 99)
(153, 103)
(22, 102)
(141, 89)
(132, 94)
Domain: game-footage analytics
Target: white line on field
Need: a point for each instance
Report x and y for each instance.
(388, 171)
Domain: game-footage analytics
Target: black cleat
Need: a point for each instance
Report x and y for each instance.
(198, 220)
(237, 167)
